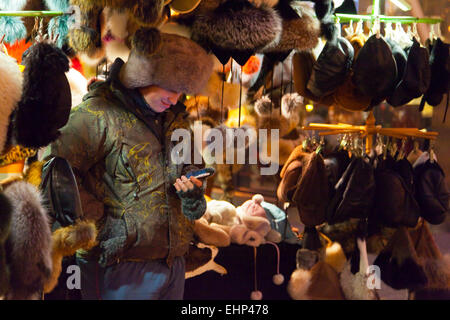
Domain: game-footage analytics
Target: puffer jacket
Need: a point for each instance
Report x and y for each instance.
(125, 173)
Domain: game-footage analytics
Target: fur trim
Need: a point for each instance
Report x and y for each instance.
(146, 41)
(264, 3)
(11, 80)
(34, 173)
(335, 257)
(211, 265)
(66, 241)
(5, 223)
(173, 27)
(46, 100)
(354, 286)
(299, 284)
(147, 13)
(210, 235)
(180, 65)
(29, 245)
(238, 25)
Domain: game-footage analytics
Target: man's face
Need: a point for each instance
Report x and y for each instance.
(158, 98)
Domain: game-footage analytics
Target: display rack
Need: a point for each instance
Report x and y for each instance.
(369, 129)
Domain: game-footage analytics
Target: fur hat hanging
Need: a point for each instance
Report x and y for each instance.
(300, 28)
(29, 244)
(12, 27)
(46, 98)
(169, 61)
(11, 80)
(238, 25)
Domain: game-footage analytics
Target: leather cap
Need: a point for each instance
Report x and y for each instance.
(395, 204)
(312, 193)
(349, 97)
(331, 67)
(303, 62)
(375, 70)
(439, 64)
(399, 264)
(353, 199)
(432, 195)
(416, 77)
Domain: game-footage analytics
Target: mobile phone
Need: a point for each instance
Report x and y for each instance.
(202, 173)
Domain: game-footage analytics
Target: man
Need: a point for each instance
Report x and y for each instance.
(118, 141)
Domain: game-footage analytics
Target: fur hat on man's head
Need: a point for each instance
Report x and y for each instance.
(11, 80)
(169, 61)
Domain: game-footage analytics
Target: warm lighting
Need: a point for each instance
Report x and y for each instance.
(21, 67)
(309, 107)
(402, 4)
(233, 118)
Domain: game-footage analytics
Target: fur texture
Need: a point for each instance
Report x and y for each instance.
(12, 27)
(29, 244)
(147, 12)
(238, 25)
(264, 106)
(262, 3)
(179, 65)
(46, 99)
(146, 41)
(34, 173)
(11, 80)
(354, 286)
(58, 25)
(221, 212)
(335, 257)
(299, 284)
(5, 222)
(115, 34)
(66, 241)
(291, 104)
(300, 33)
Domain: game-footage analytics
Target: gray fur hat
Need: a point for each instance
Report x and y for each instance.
(167, 60)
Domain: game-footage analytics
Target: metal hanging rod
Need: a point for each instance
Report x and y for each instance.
(33, 13)
(403, 19)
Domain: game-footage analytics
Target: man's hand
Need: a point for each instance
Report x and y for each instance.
(184, 184)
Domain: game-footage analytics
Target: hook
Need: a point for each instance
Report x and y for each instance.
(338, 26)
(359, 27)
(349, 30)
(415, 32)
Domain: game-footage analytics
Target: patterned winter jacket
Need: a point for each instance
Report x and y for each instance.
(124, 172)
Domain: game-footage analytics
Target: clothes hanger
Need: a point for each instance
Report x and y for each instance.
(350, 31)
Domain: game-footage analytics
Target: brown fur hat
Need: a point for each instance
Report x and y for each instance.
(301, 31)
(237, 25)
(29, 244)
(178, 64)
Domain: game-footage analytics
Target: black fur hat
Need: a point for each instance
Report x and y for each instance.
(46, 98)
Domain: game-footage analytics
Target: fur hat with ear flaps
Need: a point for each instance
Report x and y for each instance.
(11, 80)
(46, 98)
(29, 245)
(169, 61)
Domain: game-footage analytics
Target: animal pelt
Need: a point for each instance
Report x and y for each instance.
(66, 241)
(29, 244)
(147, 12)
(238, 25)
(146, 41)
(268, 3)
(11, 80)
(46, 99)
(354, 286)
(33, 174)
(200, 259)
(5, 222)
(301, 32)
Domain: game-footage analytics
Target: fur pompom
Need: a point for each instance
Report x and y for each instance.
(146, 41)
(290, 104)
(264, 106)
(29, 245)
(354, 286)
(11, 80)
(258, 198)
(299, 284)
